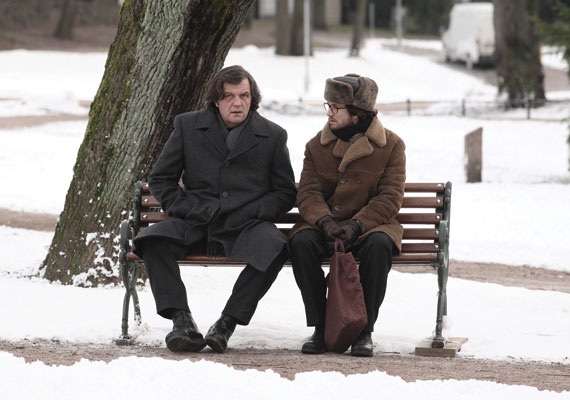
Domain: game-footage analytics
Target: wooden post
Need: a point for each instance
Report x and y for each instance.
(568, 142)
(474, 155)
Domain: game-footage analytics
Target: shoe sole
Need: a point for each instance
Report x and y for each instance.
(215, 345)
(309, 350)
(183, 344)
(362, 353)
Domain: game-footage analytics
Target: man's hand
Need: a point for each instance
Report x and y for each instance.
(331, 229)
(350, 232)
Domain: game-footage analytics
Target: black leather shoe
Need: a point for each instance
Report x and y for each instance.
(362, 346)
(219, 333)
(185, 335)
(316, 344)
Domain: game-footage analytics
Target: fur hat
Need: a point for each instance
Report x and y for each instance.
(353, 90)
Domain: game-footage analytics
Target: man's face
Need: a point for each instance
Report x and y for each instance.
(342, 118)
(235, 103)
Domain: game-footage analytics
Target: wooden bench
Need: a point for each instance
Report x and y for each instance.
(425, 215)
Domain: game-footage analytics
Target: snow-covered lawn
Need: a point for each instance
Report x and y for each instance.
(518, 215)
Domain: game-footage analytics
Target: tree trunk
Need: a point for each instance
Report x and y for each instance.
(66, 20)
(517, 51)
(283, 28)
(162, 58)
(358, 27)
(319, 15)
(296, 48)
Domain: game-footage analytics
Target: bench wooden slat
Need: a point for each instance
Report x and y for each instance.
(419, 218)
(409, 233)
(150, 201)
(424, 187)
(414, 258)
(422, 202)
(420, 247)
(421, 234)
(151, 217)
(202, 259)
(408, 202)
(417, 187)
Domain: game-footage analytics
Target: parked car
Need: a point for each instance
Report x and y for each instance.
(470, 37)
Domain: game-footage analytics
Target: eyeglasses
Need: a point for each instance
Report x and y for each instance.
(334, 109)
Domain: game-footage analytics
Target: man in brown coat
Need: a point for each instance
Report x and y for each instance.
(351, 187)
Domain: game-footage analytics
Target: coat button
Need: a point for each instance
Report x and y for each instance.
(337, 207)
(208, 211)
(343, 180)
(225, 194)
(227, 164)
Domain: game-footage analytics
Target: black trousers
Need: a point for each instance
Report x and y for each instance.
(160, 257)
(307, 251)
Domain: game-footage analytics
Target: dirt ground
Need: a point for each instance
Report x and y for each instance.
(544, 376)
(287, 363)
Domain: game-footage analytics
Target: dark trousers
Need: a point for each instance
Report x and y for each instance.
(307, 251)
(160, 257)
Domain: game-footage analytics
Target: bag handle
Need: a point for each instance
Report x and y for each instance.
(338, 243)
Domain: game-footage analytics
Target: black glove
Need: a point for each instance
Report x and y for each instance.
(331, 229)
(350, 232)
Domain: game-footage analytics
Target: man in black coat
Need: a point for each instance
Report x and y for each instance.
(238, 180)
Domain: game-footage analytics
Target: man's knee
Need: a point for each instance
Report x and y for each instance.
(379, 243)
(305, 241)
(152, 245)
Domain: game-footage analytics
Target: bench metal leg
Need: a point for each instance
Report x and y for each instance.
(130, 276)
(130, 271)
(442, 275)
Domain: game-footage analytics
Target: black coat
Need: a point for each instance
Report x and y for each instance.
(231, 198)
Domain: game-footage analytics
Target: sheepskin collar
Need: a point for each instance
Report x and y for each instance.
(363, 147)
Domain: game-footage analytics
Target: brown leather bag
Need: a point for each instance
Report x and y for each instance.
(346, 311)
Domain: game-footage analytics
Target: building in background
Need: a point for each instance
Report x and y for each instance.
(268, 9)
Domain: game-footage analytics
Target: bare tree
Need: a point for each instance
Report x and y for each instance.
(319, 14)
(517, 50)
(66, 22)
(296, 46)
(161, 60)
(358, 22)
(283, 27)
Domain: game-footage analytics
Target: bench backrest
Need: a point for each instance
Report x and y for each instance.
(425, 216)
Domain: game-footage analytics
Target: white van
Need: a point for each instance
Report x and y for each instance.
(471, 34)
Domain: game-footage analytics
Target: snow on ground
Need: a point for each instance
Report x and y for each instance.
(552, 57)
(518, 215)
(208, 380)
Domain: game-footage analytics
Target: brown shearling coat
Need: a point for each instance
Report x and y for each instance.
(364, 180)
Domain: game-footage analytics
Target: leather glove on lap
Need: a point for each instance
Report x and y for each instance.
(349, 233)
(331, 229)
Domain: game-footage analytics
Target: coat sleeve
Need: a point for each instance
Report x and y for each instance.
(164, 177)
(310, 198)
(385, 205)
(281, 196)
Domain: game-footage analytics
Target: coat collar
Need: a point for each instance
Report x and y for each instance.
(208, 124)
(363, 147)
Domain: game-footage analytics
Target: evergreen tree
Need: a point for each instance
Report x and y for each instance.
(517, 51)
(557, 32)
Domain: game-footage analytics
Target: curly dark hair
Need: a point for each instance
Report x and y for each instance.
(232, 75)
(360, 113)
